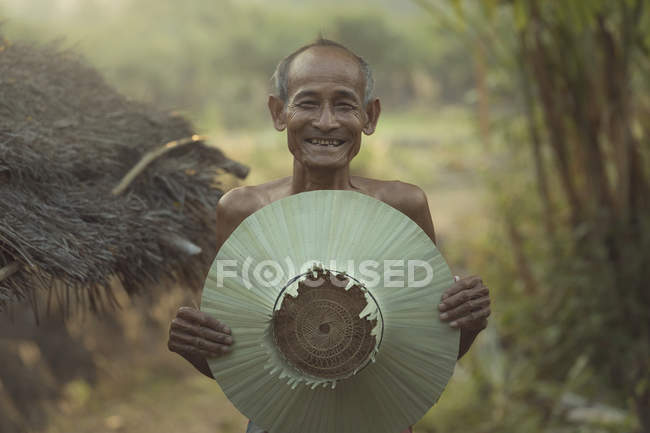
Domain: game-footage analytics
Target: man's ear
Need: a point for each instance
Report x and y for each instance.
(278, 114)
(372, 115)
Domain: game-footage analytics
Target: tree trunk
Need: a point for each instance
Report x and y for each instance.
(547, 92)
(533, 131)
(642, 403)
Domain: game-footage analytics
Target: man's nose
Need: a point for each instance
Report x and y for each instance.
(326, 119)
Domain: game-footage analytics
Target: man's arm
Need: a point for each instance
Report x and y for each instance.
(193, 334)
(196, 336)
(466, 304)
(411, 201)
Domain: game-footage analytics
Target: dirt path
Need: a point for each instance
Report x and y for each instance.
(161, 404)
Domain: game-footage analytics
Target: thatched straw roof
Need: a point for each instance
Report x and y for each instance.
(67, 140)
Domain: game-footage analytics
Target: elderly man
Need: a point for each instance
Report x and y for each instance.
(324, 99)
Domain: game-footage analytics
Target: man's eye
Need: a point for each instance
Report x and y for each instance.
(345, 106)
(307, 104)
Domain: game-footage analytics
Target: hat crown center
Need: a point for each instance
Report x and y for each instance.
(319, 329)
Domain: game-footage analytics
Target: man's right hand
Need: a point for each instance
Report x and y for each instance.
(193, 333)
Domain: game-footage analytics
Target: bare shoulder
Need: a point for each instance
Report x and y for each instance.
(238, 203)
(405, 197)
(233, 208)
(409, 199)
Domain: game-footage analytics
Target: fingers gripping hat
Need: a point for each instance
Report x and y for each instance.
(331, 298)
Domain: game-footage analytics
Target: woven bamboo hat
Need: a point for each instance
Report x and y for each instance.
(331, 298)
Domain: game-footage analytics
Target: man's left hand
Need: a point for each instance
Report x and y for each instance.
(466, 304)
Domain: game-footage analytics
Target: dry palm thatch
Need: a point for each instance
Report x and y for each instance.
(72, 217)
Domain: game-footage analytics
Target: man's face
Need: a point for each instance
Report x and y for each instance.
(325, 115)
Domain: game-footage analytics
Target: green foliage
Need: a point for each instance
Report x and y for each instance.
(570, 182)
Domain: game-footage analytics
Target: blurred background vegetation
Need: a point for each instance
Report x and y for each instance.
(527, 123)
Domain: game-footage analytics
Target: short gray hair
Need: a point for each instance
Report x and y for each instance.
(280, 78)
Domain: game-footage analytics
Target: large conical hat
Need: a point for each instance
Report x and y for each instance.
(331, 298)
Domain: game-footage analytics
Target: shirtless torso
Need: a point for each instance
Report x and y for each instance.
(241, 202)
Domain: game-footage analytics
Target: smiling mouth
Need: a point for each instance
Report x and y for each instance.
(334, 142)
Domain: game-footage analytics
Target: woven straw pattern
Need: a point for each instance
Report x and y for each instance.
(320, 332)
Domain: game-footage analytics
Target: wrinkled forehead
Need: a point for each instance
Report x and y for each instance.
(318, 66)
